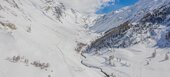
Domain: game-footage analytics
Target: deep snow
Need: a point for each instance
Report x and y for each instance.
(38, 33)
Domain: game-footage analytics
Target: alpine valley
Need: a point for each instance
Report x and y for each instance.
(45, 38)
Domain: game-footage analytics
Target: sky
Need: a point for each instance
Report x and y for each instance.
(114, 5)
(97, 6)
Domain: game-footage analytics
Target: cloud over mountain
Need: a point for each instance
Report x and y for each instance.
(85, 6)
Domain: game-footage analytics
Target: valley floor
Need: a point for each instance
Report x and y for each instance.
(136, 61)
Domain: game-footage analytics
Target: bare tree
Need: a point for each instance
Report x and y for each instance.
(166, 57)
(111, 58)
(153, 55)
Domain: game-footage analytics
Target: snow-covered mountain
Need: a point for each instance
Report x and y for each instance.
(38, 39)
(44, 38)
(135, 41)
(149, 23)
(133, 12)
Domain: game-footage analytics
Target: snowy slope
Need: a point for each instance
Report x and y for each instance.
(135, 61)
(133, 13)
(151, 28)
(43, 38)
(137, 45)
(38, 39)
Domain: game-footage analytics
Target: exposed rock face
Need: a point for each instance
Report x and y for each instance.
(8, 25)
